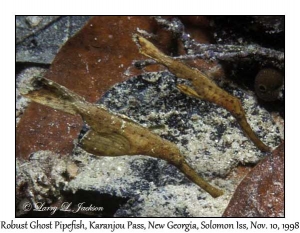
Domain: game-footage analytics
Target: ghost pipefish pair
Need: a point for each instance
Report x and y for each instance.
(203, 87)
(111, 134)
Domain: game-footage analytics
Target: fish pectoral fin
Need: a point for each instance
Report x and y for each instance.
(188, 91)
(105, 144)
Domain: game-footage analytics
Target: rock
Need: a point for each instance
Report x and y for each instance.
(28, 25)
(40, 37)
(261, 193)
(33, 21)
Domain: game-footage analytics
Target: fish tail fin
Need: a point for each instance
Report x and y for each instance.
(50, 93)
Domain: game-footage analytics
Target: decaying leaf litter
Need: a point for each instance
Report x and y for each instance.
(121, 145)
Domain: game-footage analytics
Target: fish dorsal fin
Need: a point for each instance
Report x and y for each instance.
(106, 144)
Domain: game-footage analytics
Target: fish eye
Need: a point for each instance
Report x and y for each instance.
(262, 88)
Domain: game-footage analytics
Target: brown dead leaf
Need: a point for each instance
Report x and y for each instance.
(261, 193)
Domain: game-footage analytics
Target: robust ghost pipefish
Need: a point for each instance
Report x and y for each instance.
(111, 134)
(203, 87)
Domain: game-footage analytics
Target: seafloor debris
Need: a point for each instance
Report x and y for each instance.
(205, 134)
(204, 88)
(111, 134)
(226, 52)
(39, 179)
